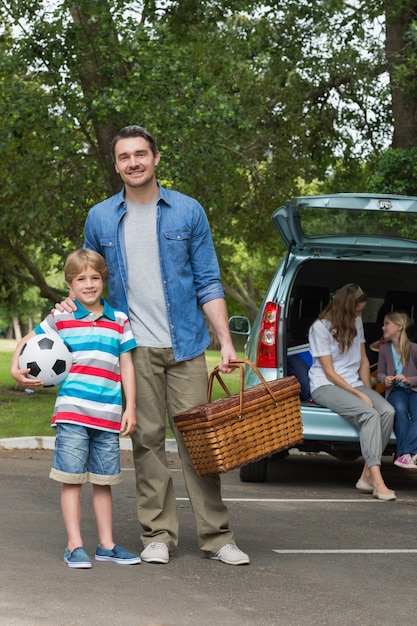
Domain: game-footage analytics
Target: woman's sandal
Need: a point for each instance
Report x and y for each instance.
(364, 487)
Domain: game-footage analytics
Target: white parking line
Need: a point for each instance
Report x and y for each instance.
(371, 551)
(287, 500)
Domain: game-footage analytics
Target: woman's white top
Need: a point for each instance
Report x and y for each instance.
(322, 343)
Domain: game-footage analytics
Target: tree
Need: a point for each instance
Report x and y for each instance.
(401, 53)
(246, 98)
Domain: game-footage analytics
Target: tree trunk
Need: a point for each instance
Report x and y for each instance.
(16, 328)
(404, 98)
(89, 21)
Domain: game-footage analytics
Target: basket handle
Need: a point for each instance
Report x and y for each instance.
(240, 364)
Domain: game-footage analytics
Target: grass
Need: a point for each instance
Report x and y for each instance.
(25, 414)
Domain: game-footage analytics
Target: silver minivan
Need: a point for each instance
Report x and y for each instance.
(331, 240)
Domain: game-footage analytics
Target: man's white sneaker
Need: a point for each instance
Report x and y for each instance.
(155, 552)
(231, 555)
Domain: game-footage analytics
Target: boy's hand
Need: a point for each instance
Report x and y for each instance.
(23, 380)
(128, 422)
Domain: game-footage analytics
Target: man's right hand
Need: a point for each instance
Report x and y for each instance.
(67, 305)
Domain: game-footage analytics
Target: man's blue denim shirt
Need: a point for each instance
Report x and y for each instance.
(189, 266)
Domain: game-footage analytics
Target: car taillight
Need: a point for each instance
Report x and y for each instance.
(268, 336)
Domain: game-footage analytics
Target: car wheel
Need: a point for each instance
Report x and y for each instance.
(254, 472)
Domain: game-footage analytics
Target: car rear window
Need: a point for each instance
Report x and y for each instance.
(338, 222)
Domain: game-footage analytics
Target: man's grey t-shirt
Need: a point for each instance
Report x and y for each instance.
(147, 307)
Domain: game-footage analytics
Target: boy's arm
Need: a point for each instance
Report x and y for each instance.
(127, 373)
(19, 375)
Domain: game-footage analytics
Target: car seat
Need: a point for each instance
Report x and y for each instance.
(297, 366)
(405, 301)
(308, 302)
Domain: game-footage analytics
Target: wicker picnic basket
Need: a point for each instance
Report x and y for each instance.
(239, 429)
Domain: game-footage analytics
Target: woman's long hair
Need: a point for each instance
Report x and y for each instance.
(403, 321)
(341, 313)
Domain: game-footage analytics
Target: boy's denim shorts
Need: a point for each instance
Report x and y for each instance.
(84, 454)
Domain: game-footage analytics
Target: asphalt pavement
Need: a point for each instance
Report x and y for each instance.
(321, 553)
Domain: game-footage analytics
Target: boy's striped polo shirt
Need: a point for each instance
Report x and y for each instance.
(91, 394)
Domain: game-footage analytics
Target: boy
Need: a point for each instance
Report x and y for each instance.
(88, 410)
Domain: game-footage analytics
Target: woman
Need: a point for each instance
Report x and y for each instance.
(397, 370)
(340, 380)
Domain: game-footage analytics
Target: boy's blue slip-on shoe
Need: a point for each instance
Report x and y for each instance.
(117, 555)
(77, 559)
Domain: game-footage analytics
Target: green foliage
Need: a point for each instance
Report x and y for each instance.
(347, 176)
(22, 414)
(245, 98)
(395, 172)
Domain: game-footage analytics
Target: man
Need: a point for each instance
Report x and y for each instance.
(163, 270)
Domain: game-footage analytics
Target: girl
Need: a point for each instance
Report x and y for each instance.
(397, 370)
(340, 380)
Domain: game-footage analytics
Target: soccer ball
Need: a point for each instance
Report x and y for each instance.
(47, 357)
